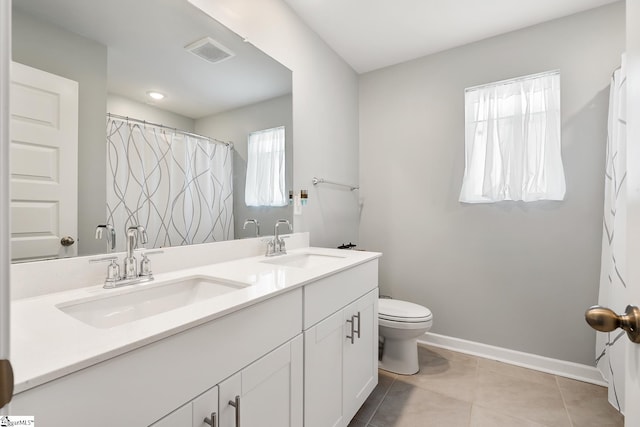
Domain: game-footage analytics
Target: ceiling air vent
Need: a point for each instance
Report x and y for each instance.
(210, 50)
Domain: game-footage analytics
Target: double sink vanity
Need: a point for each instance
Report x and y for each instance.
(232, 339)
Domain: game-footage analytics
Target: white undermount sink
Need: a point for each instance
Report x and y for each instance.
(305, 260)
(135, 303)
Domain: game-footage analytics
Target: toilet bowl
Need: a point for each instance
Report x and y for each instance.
(400, 324)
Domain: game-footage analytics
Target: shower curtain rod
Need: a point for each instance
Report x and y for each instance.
(182, 132)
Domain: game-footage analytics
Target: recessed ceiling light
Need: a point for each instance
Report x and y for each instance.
(155, 95)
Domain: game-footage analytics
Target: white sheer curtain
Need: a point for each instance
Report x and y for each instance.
(178, 187)
(611, 346)
(265, 185)
(512, 141)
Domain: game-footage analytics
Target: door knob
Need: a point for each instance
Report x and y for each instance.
(67, 241)
(606, 320)
(6, 382)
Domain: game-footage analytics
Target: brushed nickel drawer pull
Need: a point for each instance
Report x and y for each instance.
(213, 420)
(353, 334)
(236, 404)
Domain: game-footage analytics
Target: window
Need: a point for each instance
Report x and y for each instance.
(512, 141)
(265, 185)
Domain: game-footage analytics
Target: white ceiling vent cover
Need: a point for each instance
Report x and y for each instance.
(210, 50)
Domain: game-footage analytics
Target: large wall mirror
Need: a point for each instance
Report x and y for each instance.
(118, 51)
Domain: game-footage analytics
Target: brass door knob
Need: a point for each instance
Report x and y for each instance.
(606, 320)
(67, 241)
(6, 382)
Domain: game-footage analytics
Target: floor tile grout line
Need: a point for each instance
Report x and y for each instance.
(564, 402)
(475, 390)
(384, 396)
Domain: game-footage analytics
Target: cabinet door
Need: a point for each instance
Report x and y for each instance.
(206, 406)
(266, 393)
(360, 354)
(323, 373)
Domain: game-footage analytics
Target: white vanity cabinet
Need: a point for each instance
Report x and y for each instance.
(158, 382)
(303, 356)
(341, 345)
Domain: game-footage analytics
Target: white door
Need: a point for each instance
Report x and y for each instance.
(44, 165)
(6, 380)
(632, 377)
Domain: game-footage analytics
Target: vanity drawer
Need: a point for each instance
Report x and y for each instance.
(328, 295)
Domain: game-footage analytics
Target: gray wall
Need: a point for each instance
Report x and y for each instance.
(236, 125)
(50, 48)
(325, 111)
(514, 275)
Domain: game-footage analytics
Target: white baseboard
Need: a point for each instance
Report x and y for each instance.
(561, 368)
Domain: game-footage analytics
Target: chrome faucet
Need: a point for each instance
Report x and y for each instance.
(277, 245)
(255, 222)
(111, 235)
(131, 273)
(130, 263)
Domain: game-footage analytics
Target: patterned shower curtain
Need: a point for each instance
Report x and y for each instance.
(179, 187)
(611, 347)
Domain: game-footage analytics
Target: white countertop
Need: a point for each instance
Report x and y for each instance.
(47, 343)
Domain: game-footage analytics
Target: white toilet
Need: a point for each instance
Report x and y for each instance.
(400, 325)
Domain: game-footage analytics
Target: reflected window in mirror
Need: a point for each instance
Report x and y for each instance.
(265, 184)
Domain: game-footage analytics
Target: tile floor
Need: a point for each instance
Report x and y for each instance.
(454, 389)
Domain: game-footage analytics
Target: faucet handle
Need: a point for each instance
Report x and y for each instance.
(113, 272)
(271, 248)
(282, 247)
(145, 266)
(113, 269)
(145, 263)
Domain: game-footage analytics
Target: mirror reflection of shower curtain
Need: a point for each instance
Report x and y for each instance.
(179, 187)
(611, 347)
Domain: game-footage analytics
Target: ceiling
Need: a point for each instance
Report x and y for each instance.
(145, 42)
(371, 34)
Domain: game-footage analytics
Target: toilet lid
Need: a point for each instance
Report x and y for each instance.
(402, 311)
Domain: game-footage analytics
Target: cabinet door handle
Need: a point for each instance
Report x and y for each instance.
(358, 330)
(353, 335)
(213, 421)
(236, 404)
